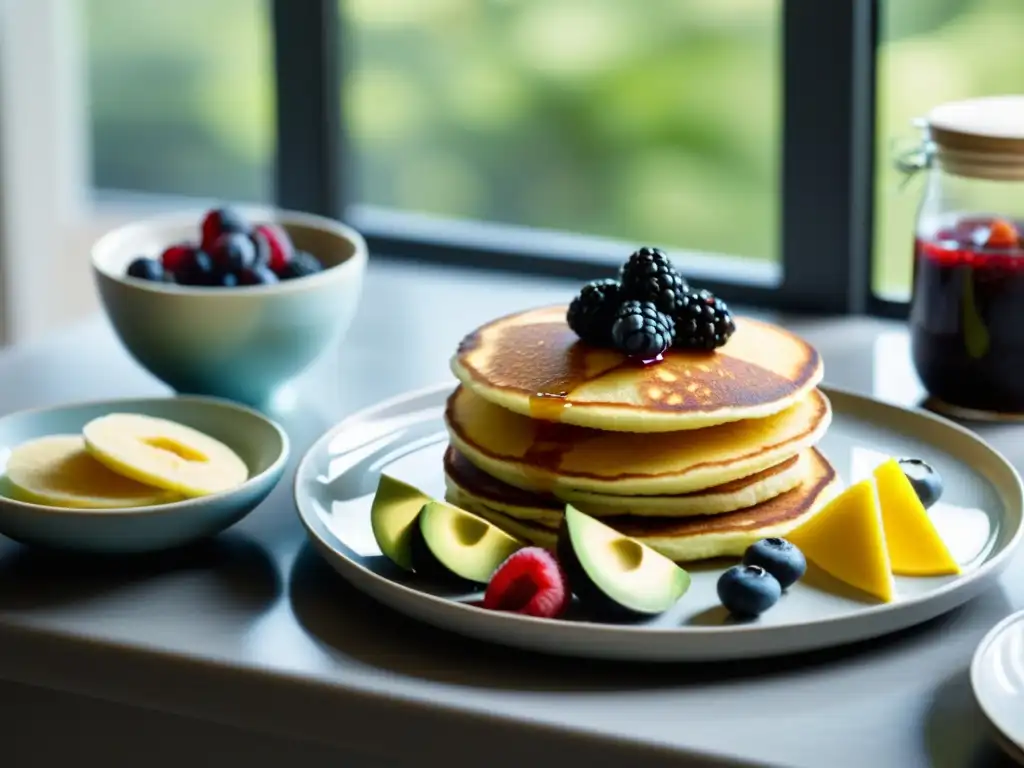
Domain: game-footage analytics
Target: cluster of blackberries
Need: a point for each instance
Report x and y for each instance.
(649, 308)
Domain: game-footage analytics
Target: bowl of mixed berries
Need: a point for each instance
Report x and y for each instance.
(230, 302)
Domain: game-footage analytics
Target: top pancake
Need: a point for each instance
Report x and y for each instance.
(533, 364)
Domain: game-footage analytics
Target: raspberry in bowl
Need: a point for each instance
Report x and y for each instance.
(230, 302)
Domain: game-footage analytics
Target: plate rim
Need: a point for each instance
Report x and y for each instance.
(975, 671)
(988, 570)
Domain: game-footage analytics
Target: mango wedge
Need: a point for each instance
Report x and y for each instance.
(914, 545)
(846, 539)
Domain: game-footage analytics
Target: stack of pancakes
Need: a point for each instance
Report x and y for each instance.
(698, 454)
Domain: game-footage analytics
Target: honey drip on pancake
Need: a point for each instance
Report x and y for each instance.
(546, 406)
(551, 441)
(547, 360)
(552, 396)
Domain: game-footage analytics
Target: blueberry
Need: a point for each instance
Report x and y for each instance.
(227, 280)
(926, 481)
(233, 252)
(258, 275)
(780, 558)
(144, 268)
(748, 590)
(197, 269)
(231, 220)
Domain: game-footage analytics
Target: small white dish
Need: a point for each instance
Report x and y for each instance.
(997, 679)
(980, 515)
(260, 442)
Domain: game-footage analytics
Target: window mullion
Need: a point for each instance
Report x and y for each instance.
(309, 161)
(828, 153)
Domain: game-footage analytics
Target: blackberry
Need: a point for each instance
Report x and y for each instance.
(703, 321)
(302, 264)
(592, 312)
(198, 269)
(648, 275)
(641, 330)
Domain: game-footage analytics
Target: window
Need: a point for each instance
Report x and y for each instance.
(554, 133)
(181, 97)
(746, 136)
(931, 51)
(651, 122)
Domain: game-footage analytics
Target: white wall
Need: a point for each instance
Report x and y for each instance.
(47, 220)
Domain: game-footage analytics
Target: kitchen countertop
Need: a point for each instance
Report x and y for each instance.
(252, 630)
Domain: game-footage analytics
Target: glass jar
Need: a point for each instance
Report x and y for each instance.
(967, 304)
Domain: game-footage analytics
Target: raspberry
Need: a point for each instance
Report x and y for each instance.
(175, 257)
(648, 275)
(530, 582)
(261, 245)
(640, 330)
(221, 221)
(592, 312)
(302, 264)
(281, 248)
(703, 321)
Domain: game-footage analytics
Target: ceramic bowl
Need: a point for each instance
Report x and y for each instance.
(260, 442)
(240, 343)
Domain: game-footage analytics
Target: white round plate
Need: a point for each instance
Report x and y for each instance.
(980, 515)
(997, 678)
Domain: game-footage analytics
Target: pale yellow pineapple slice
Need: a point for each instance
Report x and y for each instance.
(58, 471)
(164, 454)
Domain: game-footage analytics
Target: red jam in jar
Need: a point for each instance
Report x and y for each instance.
(967, 305)
(967, 320)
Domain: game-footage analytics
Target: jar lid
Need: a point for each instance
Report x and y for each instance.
(980, 138)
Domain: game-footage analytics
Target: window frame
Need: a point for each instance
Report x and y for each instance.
(827, 169)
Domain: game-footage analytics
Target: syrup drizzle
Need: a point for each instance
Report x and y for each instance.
(556, 365)
(551, 439)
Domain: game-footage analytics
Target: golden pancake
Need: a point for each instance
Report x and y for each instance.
(561, 458)
(546, 509)
(533, 364)
(690, 539)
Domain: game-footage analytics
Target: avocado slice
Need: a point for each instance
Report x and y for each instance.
(613, 575)
(452, 543)
(396, 507)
